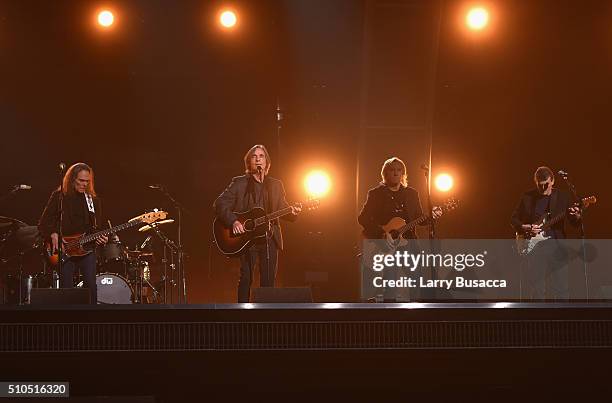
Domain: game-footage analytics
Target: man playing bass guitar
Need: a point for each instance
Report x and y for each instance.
(81, 214)
(255, 189)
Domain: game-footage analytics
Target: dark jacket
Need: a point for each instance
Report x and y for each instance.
(238, 198)
(76, 219)
(382, 204)
(524, 213)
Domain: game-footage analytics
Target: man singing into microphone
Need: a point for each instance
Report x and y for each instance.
(547, 269)
(255, 189)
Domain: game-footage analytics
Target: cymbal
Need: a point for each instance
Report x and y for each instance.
(138, 253)
(155, 224)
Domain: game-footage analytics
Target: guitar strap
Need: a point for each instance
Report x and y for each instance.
(92, 210)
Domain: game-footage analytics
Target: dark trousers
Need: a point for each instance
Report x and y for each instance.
(248, 260)
(547, 272)
(87, 266)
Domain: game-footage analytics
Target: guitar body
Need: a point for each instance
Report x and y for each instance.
(392, 232)
(71, 249)
(233, 245)
(525, 243)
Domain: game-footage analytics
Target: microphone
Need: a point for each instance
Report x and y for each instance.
(156, 186)
(21, 187)
(62, 166)
(562, 174)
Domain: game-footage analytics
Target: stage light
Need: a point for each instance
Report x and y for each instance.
(105, 18)
(317, 184)
(444, 182)
(477, 18)
(228, 19)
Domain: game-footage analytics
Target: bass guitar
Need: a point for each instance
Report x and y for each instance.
(83, 244)
(254, 222)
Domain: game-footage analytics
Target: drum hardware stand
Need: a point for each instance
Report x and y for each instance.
(168, 244)
(178, 247)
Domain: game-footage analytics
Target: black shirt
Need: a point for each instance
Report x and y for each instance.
(77, 218)
(382, 204)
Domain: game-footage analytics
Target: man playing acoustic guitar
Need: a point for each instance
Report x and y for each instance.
(255, 189)
(390, 199)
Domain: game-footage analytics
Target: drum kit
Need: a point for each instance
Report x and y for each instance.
(125, 276)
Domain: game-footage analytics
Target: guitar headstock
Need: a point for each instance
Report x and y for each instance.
(311, 204)
(450, 204)
(151, 217)
(587, 201)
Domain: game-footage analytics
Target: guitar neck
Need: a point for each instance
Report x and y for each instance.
(412, 224)
(106, 232)
(273, 216)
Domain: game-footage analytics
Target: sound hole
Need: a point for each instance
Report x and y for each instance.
(249, 225)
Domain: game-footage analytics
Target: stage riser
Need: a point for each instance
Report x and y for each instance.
(302, 336)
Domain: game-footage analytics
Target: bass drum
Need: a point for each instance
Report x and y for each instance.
(113, 289)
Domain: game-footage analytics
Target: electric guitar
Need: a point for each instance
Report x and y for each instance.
(83, 244)
(396, 227)
(254, 222)
(525, 243)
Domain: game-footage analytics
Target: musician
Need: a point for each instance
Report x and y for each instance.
(82, 212)
(547, 268)
(392, 198)
(255, 189)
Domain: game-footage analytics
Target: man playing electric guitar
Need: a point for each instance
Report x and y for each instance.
(547, 268)
(392, 198)
(81, 214)
(255, 189)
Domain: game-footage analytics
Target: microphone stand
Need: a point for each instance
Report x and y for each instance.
(432, 223)
(179, 246)
(267, 224)
(60, 233)
(572, 189)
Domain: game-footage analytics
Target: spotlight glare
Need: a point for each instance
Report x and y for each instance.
(317, 184)
(477, 18)
(106, 18)
(444, 182)
(228, 19)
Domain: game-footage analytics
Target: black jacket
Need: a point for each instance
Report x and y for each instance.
(382, 204)
(524, 213)
(238, 197)
(76, 219)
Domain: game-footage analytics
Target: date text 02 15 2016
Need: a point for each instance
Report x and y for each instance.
(34, 389)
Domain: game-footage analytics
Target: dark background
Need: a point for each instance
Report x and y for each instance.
(167, 97)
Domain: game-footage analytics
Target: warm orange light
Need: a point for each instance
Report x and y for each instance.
(106, 18)
(444, 182)
(228, 19)
(477, 18)
(317, 183)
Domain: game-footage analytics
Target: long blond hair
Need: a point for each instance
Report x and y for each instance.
(387, 165)
(71, 176)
